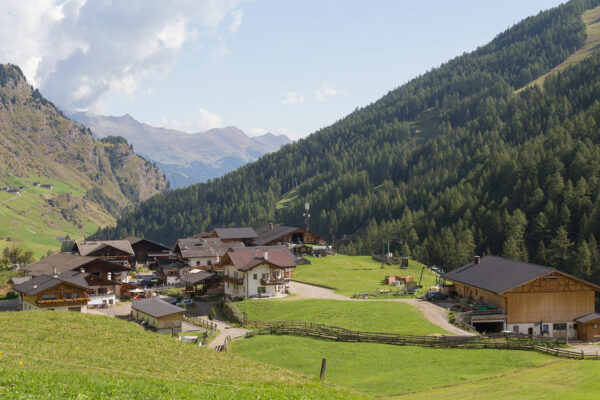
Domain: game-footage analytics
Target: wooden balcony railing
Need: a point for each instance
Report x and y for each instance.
(274, 281)
(231, 279)
(61, 302)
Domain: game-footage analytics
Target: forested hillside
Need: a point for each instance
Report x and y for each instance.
(455, 162)
(93, 181)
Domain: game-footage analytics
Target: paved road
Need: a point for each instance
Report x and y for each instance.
(9, 305)
(435, 314)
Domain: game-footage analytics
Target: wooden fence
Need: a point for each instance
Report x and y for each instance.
(223, 347)
(210, 326)
(500, 341)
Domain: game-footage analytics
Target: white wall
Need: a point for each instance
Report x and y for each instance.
(250, 286)
(524, 328)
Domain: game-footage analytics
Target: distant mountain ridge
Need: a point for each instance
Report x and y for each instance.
(185, 158)
(93, 181)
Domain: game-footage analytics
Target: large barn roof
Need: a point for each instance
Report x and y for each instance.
(497, 274)
(88, 247)
(271, 232)
(64, 262)
(235, 233)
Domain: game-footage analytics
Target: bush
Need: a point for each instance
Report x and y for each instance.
(212, 314)
(232, 312)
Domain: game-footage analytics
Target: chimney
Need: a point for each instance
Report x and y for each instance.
(270, 226)
(266, 255)
(476, 260)
(54, 274)
(35, 286)
(82, 270)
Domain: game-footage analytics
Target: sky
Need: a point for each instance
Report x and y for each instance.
(281, 66)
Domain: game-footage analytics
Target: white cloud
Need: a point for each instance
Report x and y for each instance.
(219, 52)
(293, 98)
(326, 92)
(203, 121)
(78, 51)
(237, 17)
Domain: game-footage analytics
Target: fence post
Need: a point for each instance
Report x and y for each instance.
(323, 368)
(582, 356)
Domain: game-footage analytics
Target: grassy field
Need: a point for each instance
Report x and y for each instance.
(385, 370)
(591, 18)
(33, 219)
(349, 275)
(375, 316)
(95, 357)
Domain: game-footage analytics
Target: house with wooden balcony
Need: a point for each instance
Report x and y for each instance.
(62, 262)
(45, 292)
(116, 251)
(144, 248)
(511, 295)
(277, 234)
(257, 273)
(203, 253)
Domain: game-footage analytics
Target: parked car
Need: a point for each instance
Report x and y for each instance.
(434, 296)
(186, 302)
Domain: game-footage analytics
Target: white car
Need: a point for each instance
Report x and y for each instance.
(186, 302)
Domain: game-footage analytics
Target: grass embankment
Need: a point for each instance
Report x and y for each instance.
(375, 316)
(591, 19)
(385, 370)
(33, 219)
(61, 355)
(350, 275)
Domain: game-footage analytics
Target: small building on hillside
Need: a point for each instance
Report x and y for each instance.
(588, 327)
(116, 251)
(48, 186)
(61, 262)
(259, 273)
(158, 315)
(45, 292)
(244, 235)
(202, 283)
(276, 234)
(143, 248)
(522, 297)
(203, 253)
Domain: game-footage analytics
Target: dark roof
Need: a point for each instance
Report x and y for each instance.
(155, 307)
(204, 247)
(246, 260)
(497, 274)
(588, 318)
(269, 233)
(197, 277)
(65, 262)
(41, 283)
(171, 265)
(235, 233)
(135, 240)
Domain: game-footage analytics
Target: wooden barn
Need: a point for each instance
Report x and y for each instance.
(522, 297)
(157, 315)
(276, 234)
(142, 248)
(61, 262)
(244, 235)
(116, 251)
(588, 327)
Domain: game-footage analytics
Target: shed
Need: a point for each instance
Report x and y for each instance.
(158, 314)
(588, 327)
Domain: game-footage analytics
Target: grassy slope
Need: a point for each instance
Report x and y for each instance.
(559, 380)
(375, 316)
(105, 358)
(349, 275)
(384, 370)
(30, 221)
(591, 18)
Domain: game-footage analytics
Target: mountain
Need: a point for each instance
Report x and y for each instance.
(186, 158)
(476, 156)
(93, 180)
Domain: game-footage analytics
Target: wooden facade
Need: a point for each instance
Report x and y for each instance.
(62, 296)
(164, 324)
(589, 330)
(142, 248)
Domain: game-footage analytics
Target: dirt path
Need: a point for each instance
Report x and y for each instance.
(433, 313)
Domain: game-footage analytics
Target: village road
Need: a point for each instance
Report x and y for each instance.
(433, 313)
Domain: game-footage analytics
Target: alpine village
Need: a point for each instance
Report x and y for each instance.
(439, 242)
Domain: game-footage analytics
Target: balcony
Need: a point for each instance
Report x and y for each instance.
(231, 279)
(63, 302)
(274, 281)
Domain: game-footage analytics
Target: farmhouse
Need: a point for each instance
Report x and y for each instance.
(522, 297)
(142, 248)
(203, 253)
(116, 251)
(276, 234)
(45, 292)
(61, 262)
(244, 235)
(157, 314)
(257, 273)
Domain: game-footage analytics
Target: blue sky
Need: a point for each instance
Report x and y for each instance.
(279, 66)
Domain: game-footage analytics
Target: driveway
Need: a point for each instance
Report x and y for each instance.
(121, 310)
(433, 313)
(9, 305)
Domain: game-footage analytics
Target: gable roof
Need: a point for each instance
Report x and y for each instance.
(65, 262)
(269, 233)
(42, 283)
(246, 260)
(497, 274)
(235, 233)
(203, 247)
(135, 240)
(588, 318)
(155, 307)
(88, 247)
(197, 277)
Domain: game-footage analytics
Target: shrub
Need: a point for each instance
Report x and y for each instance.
(212, 314)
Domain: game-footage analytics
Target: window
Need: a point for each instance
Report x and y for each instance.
(255, 276)
(516, 328)
(261, 289)
(595, 326)
(227, 285)
(562, 326)
(545, 328)
(264, 276)
(209, 263)
(75, 295)
(48, 296)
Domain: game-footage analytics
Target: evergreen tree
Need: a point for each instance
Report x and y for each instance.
(582, 263)
(559, 251)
